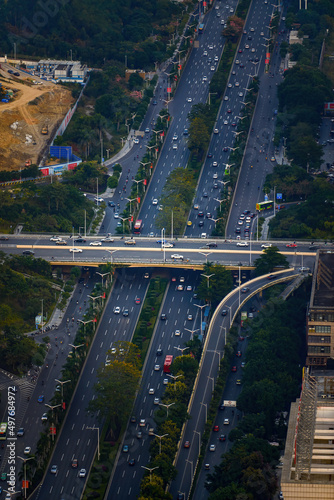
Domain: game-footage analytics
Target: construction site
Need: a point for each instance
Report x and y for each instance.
(29, 118)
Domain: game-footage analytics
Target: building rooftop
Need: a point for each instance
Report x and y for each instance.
(323, 281)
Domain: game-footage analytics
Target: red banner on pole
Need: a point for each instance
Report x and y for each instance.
(169, 89)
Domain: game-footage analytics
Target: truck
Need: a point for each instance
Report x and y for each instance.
(45, 130)
(167, 363)
(244, 316)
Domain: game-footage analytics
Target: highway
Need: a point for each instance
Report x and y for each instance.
(76, 441)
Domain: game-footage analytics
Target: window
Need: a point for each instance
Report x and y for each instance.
(322, 329)
(320, 340)
(317, 349)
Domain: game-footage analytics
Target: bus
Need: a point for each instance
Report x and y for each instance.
(264, 205)
(244, 316)
(138, 226)
(3, 430)
(167, 363)
(201, 28)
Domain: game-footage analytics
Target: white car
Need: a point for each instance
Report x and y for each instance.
(226, 98)
(75, 250)
(27, 450)
(216, 58)
(155, 201)
(212, 68)
(216, 131)
(55, 238)
(108, 239)
(82, 473)
(157, 368)
(156, 401)
(167, 245)
(229, 85)
(225, 122)
(266, 245)
(205, 78)
(189, 99)
(165, 381)
(210, 46)
(226, 421)
(95, 243)
(99, 200)
(242, 244)
(44, 417)
(237, 84)
(117, 310)
(240, 94)
(205, 53)
(175, 137)
(174, 146)
(177, 333)
(212, 447)
(151, 391)
(136, 140)
(176, 256)
(215, 176)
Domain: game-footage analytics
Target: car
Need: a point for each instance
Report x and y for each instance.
(253, 50)
(201, 223)
(216, 428)
(241, 338)
(205, 194)
(137, 300)
(234, 368)
(243, 364)
(79, 240)
(242, 244)
(116, 215)
(209, 154)
(189, 99)
(147, 130)
(55, 238)
(190, 317)
(142, 422)
(98, 199)
(225, 122)
(154, 201)
(20, 432)
(74, 463)
(4, 238)
(163, 317)
(176, 256)
(237, 230)
(211, 244)
(130, 242)
(177, 333)
(151, 391)
(146, 275)
(238, 354)
(133, 419)
(186, 444)
(159, 352)
(156, 368)
(174, 146)
(212, 68)
(54, 469)
(136, 140)
(218, 15)
(238, 382)
(240, 94)
(126, 312)
(280, 496)
(165, 381)
(215, 175)
(226, 421)
(189, 223)
(206, 466)
(237, 61)
(27, 450)
(226, 98)
(75, 250)
(40, 399)
(95, 243)
(154, 102)
(212, 447)
(82, 473)
(233, 124)
(225, 149)
(205, 78)
(156, 401)
(222, 437)
(246, 46)
(117, 310)
(61, 242)
(175, 137)
(180, 288)
(44, 417)
(224, 312)
(208, 215)
(125, 448)
(205, 53)
(291, 245)
(139, 435)
(229, 85)
(240, 51)
(215, 164)
(216, 58)
(252, 30)
(273, 158)
(28, 252)
(211, 46)
(189, 288)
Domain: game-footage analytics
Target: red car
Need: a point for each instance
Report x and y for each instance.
(241, 338)
(234, 369)
(238, 354)
(137, 300)
(222, 437)
(187, 444)
(291, 245)
(216, 428)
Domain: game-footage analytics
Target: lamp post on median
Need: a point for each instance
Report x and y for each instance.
(62, 383)
(103, 274)
(173, 377)
(132, 199)
(208, 276)
(192, 332)
(201, 307)
(52, 408)
(156, 135)
(93, 299)
(150, 470)
(181, 349)
(123, 219)
(206, 410)
(98, 438)
(216, 220)
(111, 252)
(220, 202)
(199, 440)
(137, 182)
(167, 406)
(213, 383)
(206, 255)
(160, 438)
(85, 323)
(25, 460)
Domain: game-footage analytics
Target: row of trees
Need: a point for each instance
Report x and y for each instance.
(310, 219)
(271, 380)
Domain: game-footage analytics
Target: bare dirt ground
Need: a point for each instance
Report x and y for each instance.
(22, 120)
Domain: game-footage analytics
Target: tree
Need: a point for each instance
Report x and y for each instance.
(220, 284)
(270, 259)
(117, 383)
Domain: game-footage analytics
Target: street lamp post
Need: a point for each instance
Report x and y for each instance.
(201, 307)
(174, 377)
(98, 439)
(85, 323)
(102, 275)
(137, 182)
(206, 255)
(181, 349)
(93, 299)
(208, 276)
(220, 202)
(150, 470)
(216, 220)
(25, 460)
(167, 405)
(111, 252)
(160, 438)
(132, 199)
(213, 382)
(62, 390)
(192, 332)
(199, 439)
(75, 347)
(123, 219)
(52, 408)
(206, 410)
(163, 242)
